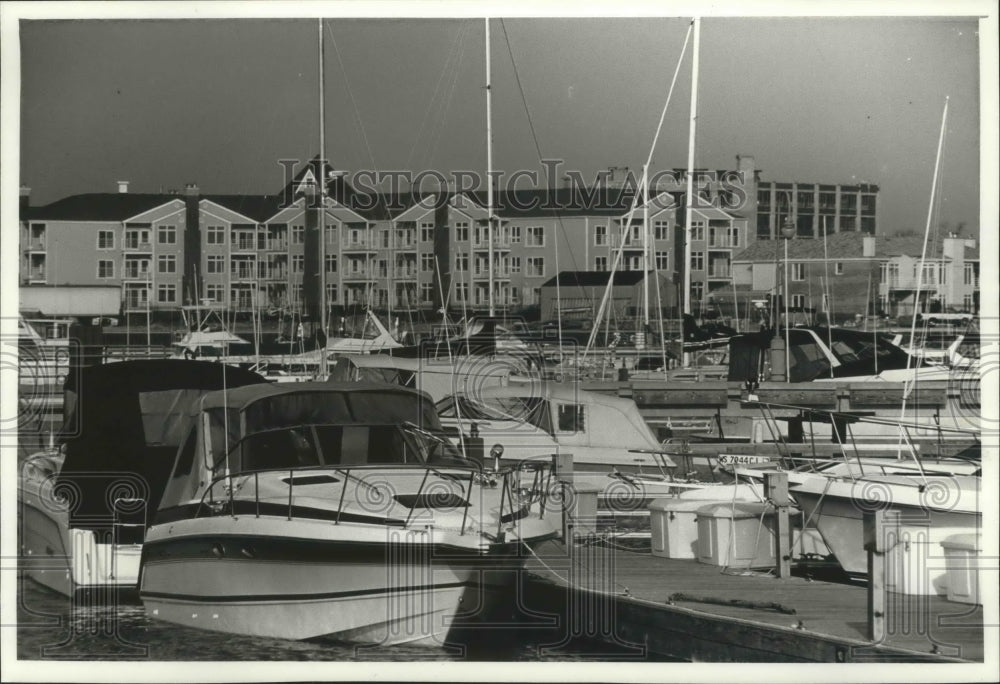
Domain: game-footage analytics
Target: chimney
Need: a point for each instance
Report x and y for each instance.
(122, 187)
(868, 246)
(25, 197)
(191, 190)
(745, 163)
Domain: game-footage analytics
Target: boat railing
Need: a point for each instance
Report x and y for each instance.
(515, 498)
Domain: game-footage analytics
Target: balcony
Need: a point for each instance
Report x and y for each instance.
(245, 245)
(405, 273)
(243, 274)
(719, 273)
(36, 275)
(360, 276)
(36, 246)
(277, 245)
(137, 246)
(901, 282)
(136, 273)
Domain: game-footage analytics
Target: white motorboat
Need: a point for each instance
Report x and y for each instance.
(534, 420)
(334, 510)
(83, 507)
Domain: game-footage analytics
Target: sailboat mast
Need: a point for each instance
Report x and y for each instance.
(690, 180)
(489, 168)
(645, 249)
(323, 369)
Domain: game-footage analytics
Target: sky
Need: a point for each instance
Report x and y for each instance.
(162, 103)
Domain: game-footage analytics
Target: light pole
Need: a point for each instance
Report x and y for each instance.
(787, 233)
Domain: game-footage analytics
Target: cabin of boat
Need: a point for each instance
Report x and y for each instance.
(438, 377)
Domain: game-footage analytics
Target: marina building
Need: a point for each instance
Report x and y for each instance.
(406, 253)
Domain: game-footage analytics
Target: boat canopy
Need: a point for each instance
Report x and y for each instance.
(437, 377)
(573, 416)
(125, 420)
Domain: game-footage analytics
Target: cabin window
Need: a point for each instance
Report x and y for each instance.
(278, 449)
(570, 417)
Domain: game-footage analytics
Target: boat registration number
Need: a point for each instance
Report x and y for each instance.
(742, 459)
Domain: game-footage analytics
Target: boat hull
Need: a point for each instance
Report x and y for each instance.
(292, 579)
(838, 508)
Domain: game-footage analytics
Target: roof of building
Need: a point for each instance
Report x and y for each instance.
(593, 278)
(562, 202)
(98, 206)
(849, 245)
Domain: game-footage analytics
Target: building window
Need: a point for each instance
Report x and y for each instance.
(798, 272)
(697, 261)
(535, 266)
(697, 291)
(968, 275)
(427, 263)
(600, 235)
(942, 274)
(515, 235)
(967, 302)
(105, 268)
(166, 263)
(734, 236)
(298, 235)
(331, 263)
(662, 260)
(166, 293)
(798, 301)
(105, 239)
(134, 239)
(215, 264)
(426, 292)
(298, 263)
(462, 231)
(331, 293)
(697, 230)
(601, 263)
(515, 264)
(661, 229)
(461, 263)
(215, 292)
(426, 232)
(838, 268)
(536, 236)
(215, 235)
(166, 235)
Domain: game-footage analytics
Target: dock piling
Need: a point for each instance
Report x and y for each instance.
(776, 491)
(874, 539)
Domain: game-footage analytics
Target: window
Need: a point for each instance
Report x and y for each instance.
(697, 261)
(298, 235)
(942, 274)
(215, 292)
(600, 235)
(838, 268)
(734, 236)
(798, 300)
(215, 235)
(166, 293)
(385, 239)
(462, 231)
(662, 260)
(798, 272)
(601, 263)
(298, 263)
(426, 231)
(570, 417)
(166, 263)
(461, 263)
(661, 229)
(697, 230)
(331, 263)
(535, 266)
(967, 302)
(166, 235)
(697, 291)
(515, 264)
(426, 292)
(134, 239)
(105, 268)
(536, 236)
(105, 239)
(215, 264)
(968, 275)
(331, 292)
(515, 235)
(243, 239)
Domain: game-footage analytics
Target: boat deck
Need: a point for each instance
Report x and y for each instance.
(669, 606)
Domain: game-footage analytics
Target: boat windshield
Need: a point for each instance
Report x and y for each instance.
(468, 409)
(305, 446)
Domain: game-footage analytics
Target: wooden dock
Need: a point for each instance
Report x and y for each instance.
(683, 609)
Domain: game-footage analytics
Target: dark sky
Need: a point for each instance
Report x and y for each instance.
(218, 102)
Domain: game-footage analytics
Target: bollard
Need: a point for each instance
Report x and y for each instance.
(874, 541)
(776, 491)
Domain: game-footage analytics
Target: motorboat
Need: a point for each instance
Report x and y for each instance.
(532, 420)
(83, 506)
(334, 510)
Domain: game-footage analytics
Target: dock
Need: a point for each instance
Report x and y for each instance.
(683, 609)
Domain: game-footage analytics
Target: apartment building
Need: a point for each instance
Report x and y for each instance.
(816, 209)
